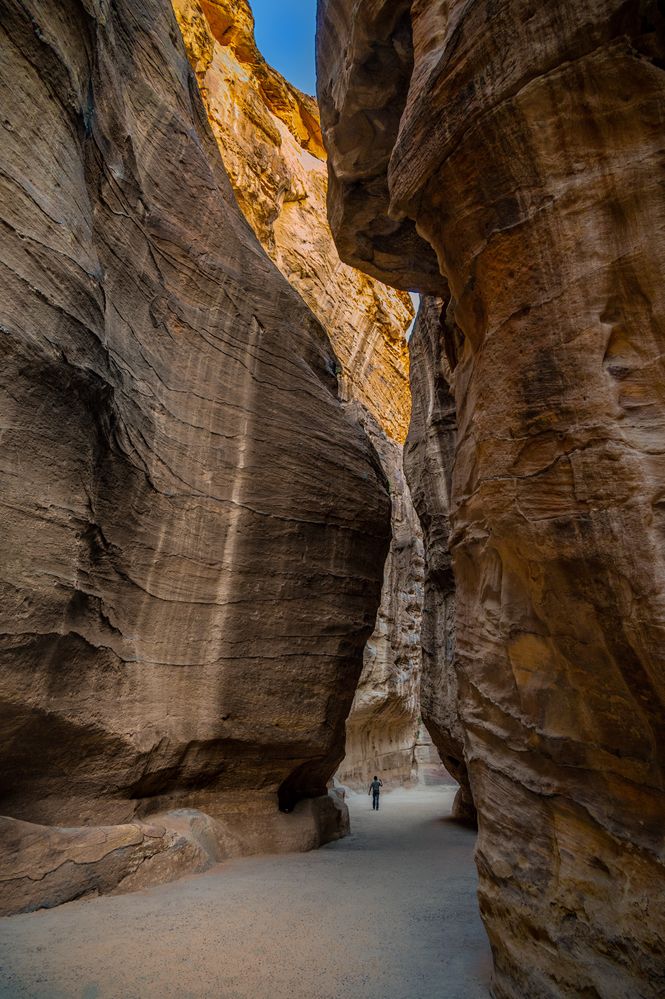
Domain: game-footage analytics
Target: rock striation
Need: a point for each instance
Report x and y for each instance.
(194, 528)
(269, 136)
(506, 158)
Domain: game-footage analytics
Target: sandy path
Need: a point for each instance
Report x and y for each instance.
(388, 913)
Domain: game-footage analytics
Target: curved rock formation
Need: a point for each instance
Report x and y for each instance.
(524, 146)
(270, 139)
(194, 529)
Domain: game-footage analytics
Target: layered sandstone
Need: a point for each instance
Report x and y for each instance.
(429, 768)
(269, 136)
(515, 151)
(194, 529)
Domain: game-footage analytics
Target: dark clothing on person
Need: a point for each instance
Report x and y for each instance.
(375, 790)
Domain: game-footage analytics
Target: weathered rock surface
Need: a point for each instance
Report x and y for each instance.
(269, 136)
(428, 459)
(382, 728)
(523, 144)
(194, 530)
(270, 140)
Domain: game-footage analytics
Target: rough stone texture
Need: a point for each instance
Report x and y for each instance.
(44, 866)
(269, 136)
(525, 144)
(382, 728)
(428, 460)
(194, 530)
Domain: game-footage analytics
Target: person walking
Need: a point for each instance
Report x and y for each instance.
(375, 791)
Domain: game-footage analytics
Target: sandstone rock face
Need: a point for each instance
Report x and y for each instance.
(269, 136)
(428, 460)
(382, 729)
(194, 530)
(522, 143)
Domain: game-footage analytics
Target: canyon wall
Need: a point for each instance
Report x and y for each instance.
(382, 728)
(507, 159)
(428, 461)
(194, 527)
(269, 136)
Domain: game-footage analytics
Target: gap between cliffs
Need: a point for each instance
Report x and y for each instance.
(269, 137)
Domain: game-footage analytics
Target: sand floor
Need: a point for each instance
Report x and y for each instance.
(388, 913)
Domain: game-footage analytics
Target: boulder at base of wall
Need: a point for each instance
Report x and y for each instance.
(44, 866)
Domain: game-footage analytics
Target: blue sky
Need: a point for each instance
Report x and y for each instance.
(285, 31)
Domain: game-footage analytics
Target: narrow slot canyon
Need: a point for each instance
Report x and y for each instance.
(331, 450)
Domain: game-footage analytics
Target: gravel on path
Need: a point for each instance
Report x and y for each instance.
(390, 912)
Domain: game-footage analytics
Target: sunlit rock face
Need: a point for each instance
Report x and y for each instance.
(270, 139)
(523, 145)
(382, 729)
(194, 528)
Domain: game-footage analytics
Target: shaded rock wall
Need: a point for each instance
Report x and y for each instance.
(270, 140)
(382, 728)
(194, 530)
(523, 145)
(428, 461)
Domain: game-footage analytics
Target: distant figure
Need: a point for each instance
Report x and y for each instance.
(375, 791)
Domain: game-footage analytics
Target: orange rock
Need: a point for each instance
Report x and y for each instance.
(269, 136)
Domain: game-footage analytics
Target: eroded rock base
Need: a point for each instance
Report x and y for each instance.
(44, 866)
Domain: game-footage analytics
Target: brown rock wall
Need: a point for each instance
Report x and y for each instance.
(528, 154)
(428, 461)
(194, 530)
